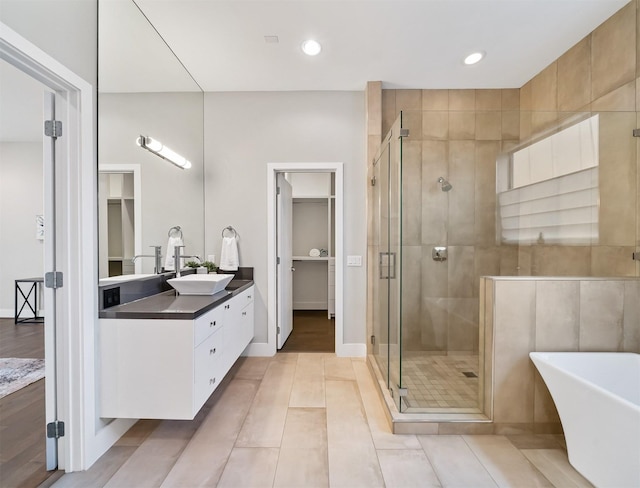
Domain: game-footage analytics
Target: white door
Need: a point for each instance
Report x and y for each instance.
(284, 261)
(50, 266)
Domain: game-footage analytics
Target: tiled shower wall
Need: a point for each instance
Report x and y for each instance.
(458, 134)
(521, 315)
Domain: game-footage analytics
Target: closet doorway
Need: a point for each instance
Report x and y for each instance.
(305, 257)
(312, 235)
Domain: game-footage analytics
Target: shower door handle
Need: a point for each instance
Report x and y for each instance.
(387, 260)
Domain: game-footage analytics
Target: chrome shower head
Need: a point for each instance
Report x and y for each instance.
(444, 184)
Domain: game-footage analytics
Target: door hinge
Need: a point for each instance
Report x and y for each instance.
(52, 128)
(53, 279)
(55, 429)
(278, 260)
(403, 392)
(373, 339)
(404, 132)
(636, 132)
(278, 329)
(277, 190)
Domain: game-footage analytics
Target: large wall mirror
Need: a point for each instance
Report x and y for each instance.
(143, 89)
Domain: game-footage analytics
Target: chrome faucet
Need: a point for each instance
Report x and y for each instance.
(157, 256)
(177, 256)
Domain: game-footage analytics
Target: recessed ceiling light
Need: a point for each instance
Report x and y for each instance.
(311, 47)
(474, 58)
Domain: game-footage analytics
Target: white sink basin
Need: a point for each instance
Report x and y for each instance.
(200, 284)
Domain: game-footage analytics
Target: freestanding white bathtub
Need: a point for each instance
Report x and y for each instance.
(597, 395)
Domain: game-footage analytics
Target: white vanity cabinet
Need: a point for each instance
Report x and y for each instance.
(167, 369)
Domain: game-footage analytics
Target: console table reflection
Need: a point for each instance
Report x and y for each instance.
(29, 300)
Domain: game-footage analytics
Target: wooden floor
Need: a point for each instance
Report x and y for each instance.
(22, 443)
(312, 332)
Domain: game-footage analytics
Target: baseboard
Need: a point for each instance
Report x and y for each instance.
(8, 313)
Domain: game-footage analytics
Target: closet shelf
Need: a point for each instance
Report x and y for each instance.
(310, 258)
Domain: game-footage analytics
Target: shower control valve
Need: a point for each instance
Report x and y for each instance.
(439, 253)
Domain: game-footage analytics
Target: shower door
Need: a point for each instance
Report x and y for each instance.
(387, 315)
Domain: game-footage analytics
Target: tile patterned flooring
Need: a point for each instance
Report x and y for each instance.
(436, 382)
(307, 420)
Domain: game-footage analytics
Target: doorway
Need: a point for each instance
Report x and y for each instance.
(310, 230)
(311, 255)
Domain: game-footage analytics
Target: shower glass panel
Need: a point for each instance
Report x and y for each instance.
(426, 313)
(387, 314)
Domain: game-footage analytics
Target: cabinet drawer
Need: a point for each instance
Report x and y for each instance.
(206, 368)
(207, 324)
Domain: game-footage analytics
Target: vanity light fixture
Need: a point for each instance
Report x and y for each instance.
(474, 58)
(311, 47)
(159, 149)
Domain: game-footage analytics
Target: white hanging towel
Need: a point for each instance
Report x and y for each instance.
(229, 254)
(169, 261)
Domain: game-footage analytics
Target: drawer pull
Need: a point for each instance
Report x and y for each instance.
(212, 324)
(212, 351)
(226, 307)
(212, 381)
(244, 313)
(248, 297)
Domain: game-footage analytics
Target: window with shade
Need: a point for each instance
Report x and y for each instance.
(548, 190)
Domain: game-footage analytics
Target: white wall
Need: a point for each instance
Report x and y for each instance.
(21, 199)
(245, 131)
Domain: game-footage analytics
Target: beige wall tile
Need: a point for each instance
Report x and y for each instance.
(435, 323)
(510, 99)
(461, 222)
(543, 121)
(514, 325)
(617, 179)
(411, 296)
(488, 100)
(408, 100)
(601, 315)
(435, 100)
(557, 315)
(461, 271)
(485, 192)
(511, 125)
(462, 125)
(411, 192)
(621, 99)
(435, 203)
(574, 76)
(434, 274)
(508, 261)
(462, 100)
(560, 260)
(638, 90)
(638, 40)
(488, 126)
(407, 467)
(526, 126)
(613, 47)
(544, 409)
(487, 263)
(413, 122)
(463, 324)
(631, 324)
(612, 261)
(389, 112)
(544, 89)
(526, 97)
(435, 125)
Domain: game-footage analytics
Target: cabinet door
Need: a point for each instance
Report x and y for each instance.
(208, 374)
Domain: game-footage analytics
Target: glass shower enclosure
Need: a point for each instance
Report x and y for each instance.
(414, 327)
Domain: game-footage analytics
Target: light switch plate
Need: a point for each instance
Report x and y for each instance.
(354, 260)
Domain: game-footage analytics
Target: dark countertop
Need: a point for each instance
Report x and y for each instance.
(169, 305)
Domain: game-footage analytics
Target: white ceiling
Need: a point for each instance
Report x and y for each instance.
(405, 44)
